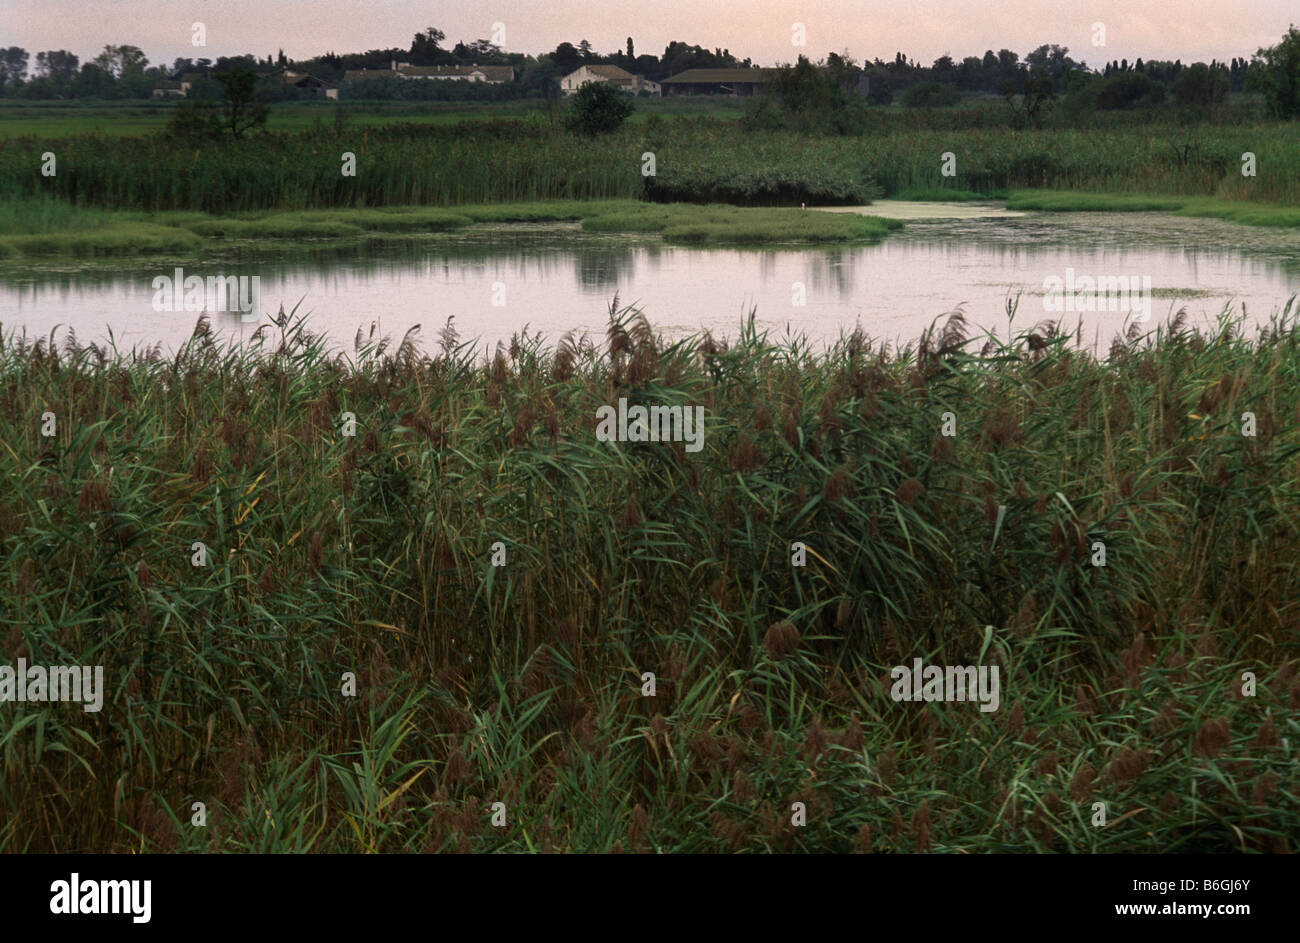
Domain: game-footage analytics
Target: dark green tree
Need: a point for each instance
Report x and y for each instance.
(1126, 89)
(1028, 110)
(13, 65)
(1199, 86)
(598, 108)
(426, 49)
(566, 58)
(931, 95)
(239, 104)
(196, 122)
(1276, 72)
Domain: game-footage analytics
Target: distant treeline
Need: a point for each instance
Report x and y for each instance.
(125, 72)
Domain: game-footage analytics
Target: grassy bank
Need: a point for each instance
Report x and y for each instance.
(522, 683)
(1236, 211)
(46, 227)
(695, 159)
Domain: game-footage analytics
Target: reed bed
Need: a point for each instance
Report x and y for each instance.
(697, 159)
(522, 683)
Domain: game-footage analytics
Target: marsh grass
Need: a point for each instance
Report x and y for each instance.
(521, 684)
(45, 227)
(1235, 211)
(697, 160)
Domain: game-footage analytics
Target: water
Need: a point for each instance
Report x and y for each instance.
(555, 278)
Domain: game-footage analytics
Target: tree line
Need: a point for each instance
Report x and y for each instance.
(1046, 72)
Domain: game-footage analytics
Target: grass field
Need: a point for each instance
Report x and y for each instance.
(522, 683)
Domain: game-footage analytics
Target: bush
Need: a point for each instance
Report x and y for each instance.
(195, 121)
(598, 108)
(931, 95)
(1128, 89)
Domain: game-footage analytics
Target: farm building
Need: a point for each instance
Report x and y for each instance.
(608, 73)
(718, 82)
(176, 89)
(488, 74)
(308, 83)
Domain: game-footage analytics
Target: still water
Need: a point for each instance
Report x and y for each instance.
(498, 280)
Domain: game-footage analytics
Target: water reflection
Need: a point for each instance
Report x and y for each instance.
(496, 280)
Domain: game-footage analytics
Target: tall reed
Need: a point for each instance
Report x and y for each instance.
(522, 683)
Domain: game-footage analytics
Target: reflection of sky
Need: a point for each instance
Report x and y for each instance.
(558, 280)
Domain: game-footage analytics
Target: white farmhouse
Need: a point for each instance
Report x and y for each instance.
(620, 78)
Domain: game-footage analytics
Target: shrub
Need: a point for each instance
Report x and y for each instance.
(1128, 89)
(931, 95)
(195, 121)
(598, 108)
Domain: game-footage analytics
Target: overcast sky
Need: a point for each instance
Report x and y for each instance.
(1191, 30)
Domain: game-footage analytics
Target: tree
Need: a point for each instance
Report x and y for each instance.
(630, 55)
(56, 64)
(1126, 88)
(804, 93)
(1008, 64)
(426, 48)
(931, 95)
(1276, 72)
(566, 58)
(540, 78)
(485, 52)
(598, 108)
(13, 65)
(678, 57)
(1053, 60)
(943, 68)
(242, 111)
(122, 61)
(1200, 86)
(584, 50)
(808, 97)
(1038, 92)
(91, 82)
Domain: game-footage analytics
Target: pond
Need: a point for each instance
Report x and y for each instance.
(495, 280)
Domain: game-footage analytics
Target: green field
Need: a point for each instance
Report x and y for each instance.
(53, 120)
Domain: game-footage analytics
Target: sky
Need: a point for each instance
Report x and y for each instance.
(1190, 30)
